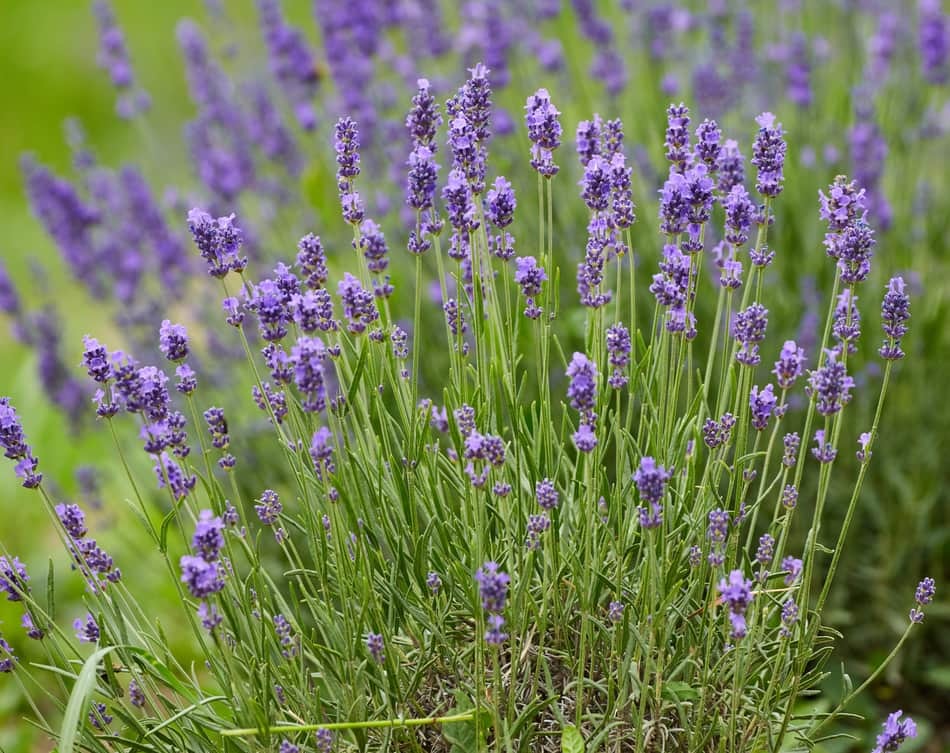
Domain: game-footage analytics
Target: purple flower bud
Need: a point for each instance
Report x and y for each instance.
(895, 311)
(173, 341)
(87, 629)
(730, 166)
(762, 403)
(737, 593)
(896, 730)
(218, 241)
(677, 136)
(789, 365)
(492, 587)
(321, 452)
(546, 494)
(830, 386)
(749, 331)
(768, 155)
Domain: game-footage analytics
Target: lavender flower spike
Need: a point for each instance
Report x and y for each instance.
(13, 442)
(768, 155)
(218, 241)
(544, 131)
(896, 730)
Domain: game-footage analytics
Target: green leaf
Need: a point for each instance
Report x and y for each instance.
(571, 740)
(463, 736)
(79, 699)
(679, 691)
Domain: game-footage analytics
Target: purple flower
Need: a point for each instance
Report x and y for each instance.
(830, 386)
(615, 612)
(843, 205)
(312, 261)
(582, 390)
(269, 509)
(376, 647)
(762, 403)
(546, 494)
(537, 524)
(793, 568)
(217, 428)
(346, 143)
(896, 730)
(358, 304)
(494, 635)
(433, 582)
(622, 213)
(923, 596)
(113, 58)
(933, 33)
(895, 311)
(596, 184)
(291, 62)
(852, 248)
(707, 149)
(7, 658)
(13, 442)
(487, 450)
(95, 359)
(584, 438)
(768, 155)
(730, 166)
(32, 631)
(285, 636)
(749, 331)
(677, 136)
(87, 629)
(203, 578)
(766, 550)
(424, 117)
(739, 213)
(716, 433)
(789, 496)
(13, 578)
(208, 538)
(587, 139)
(618, 350)
(789, 617)
(675, 199)
(321, 452)
(530, 277)
(737, 593)
(324, 740)
(492, 587)
(789, 365)
(457, 197)
(590, 273)
(307, 357)
(170, 473)
(136, 696)
(544, 131)
(651, 480)
(823, 451)
(716, 532)
(422, 178)
(500, 203)
(98, 716)
(218, 241)
(209, 616)
(173, 341)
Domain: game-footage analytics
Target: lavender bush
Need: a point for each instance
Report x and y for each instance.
(585, 551)
(573, 522)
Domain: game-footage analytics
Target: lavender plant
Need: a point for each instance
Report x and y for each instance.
(573, 540)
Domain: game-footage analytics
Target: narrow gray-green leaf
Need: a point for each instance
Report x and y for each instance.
(79, 698)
